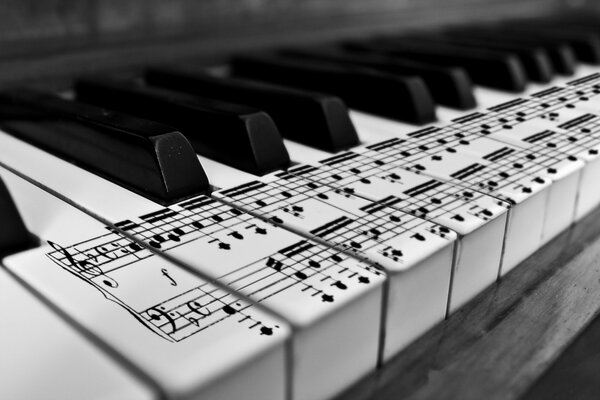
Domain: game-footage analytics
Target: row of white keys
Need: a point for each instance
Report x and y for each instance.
(539, 124)
(542, 210)
(559, 168)
(527, 193)
(562, 193)
(565, 118)
(481, 235)
(139, 306)
(470, 276)
(523, 233)
(479, 220)
(416, 254)
(320, 290)
(414, 285)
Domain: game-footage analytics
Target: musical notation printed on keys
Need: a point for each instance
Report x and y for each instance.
(513, 152)
(453, 206)
(251, 255)
(372, 230)
(405, 245)
(174, 304)
(459, 208)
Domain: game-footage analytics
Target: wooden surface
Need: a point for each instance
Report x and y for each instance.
(62, 38)
(574, 375)
(498, 345)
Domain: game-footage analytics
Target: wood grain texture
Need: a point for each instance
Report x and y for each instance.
(574, 375)
(500, 343)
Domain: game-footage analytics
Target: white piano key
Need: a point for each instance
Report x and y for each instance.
(302, 153)
(562, 197)
(416, 254)
(311, 298)
(223, 176)
(132, 309)
(373, 128)
(592, 105)
(589, 190)
(45, 358)
(141, 306)
(487, 97)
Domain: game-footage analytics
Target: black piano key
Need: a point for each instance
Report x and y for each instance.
(487, 68)
(239, 136)
(535, 60)
(561, 55)
(586, 45)
(450, 86)
(14, 236)
(148, 158)
(314, 119)
(404, 99)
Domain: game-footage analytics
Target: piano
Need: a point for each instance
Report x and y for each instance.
(296, 201)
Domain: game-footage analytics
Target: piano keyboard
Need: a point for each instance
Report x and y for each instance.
(280, 227)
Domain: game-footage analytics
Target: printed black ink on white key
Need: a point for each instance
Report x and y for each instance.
(416, 254)
(219, 251)
(170, 326)
(301, 279)
(494, 174)
(479, 219)
(537, 156)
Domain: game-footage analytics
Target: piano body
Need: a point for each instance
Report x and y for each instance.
(296, 200)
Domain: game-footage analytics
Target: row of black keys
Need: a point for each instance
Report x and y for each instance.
(239, 120)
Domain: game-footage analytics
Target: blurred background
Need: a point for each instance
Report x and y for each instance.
(61, 37)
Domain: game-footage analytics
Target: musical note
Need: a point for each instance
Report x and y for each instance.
(419, 237)
(236, 235)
